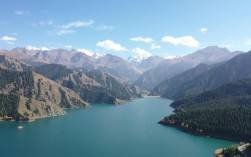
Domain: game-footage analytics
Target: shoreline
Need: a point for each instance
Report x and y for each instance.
(149, 96)
(203, 134)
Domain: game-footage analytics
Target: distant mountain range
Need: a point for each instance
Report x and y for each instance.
(146, 73)
(171, 67)
(204, 77)
(75, 59)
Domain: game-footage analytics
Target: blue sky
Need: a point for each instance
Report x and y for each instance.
(126, 28)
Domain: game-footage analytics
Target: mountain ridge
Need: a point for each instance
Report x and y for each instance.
(169, 68)
(235, 69)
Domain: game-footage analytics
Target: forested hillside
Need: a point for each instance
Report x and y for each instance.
(224, 112)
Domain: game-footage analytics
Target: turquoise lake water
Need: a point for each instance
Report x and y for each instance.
(129, 130)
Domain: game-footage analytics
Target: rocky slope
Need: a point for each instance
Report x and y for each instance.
(12, 64)
(93, 86)
(36, 96)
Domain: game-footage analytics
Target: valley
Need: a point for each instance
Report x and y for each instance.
(210, 88)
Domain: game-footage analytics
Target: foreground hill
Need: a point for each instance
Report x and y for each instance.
(93, 86)
(233, 70)
(171, 67)
(28, 95)
(224, 112)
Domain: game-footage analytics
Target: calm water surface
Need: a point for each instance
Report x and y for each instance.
(104, 130)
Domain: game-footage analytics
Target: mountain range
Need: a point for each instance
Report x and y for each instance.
(171, 67)
(41, 83)
(205, 77)
(25, 94)
(75, 59)
(146, 73)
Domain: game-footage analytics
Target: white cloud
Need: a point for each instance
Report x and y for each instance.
(203, 29)
(141, 53)
(110, 45)
(68, 46)
(87, 52)
(68, 28)
(76, 24)
(248, 42)
(146, 40)
(188, 41)
(7, 38)
(21, 12)
(154, 46)
(65, 31)
(45, 49)
(14, 33)
(29, 47)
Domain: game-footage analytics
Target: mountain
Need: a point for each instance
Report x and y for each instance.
(9, 63)
(72, 58)
(149, 63)
(173, 83)
(118, 67)
(223, 112)
(171, 67)
(235, 69)
(77, 60)
(34, 96)
(93, 86)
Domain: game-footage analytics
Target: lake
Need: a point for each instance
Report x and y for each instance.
(129, 130)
